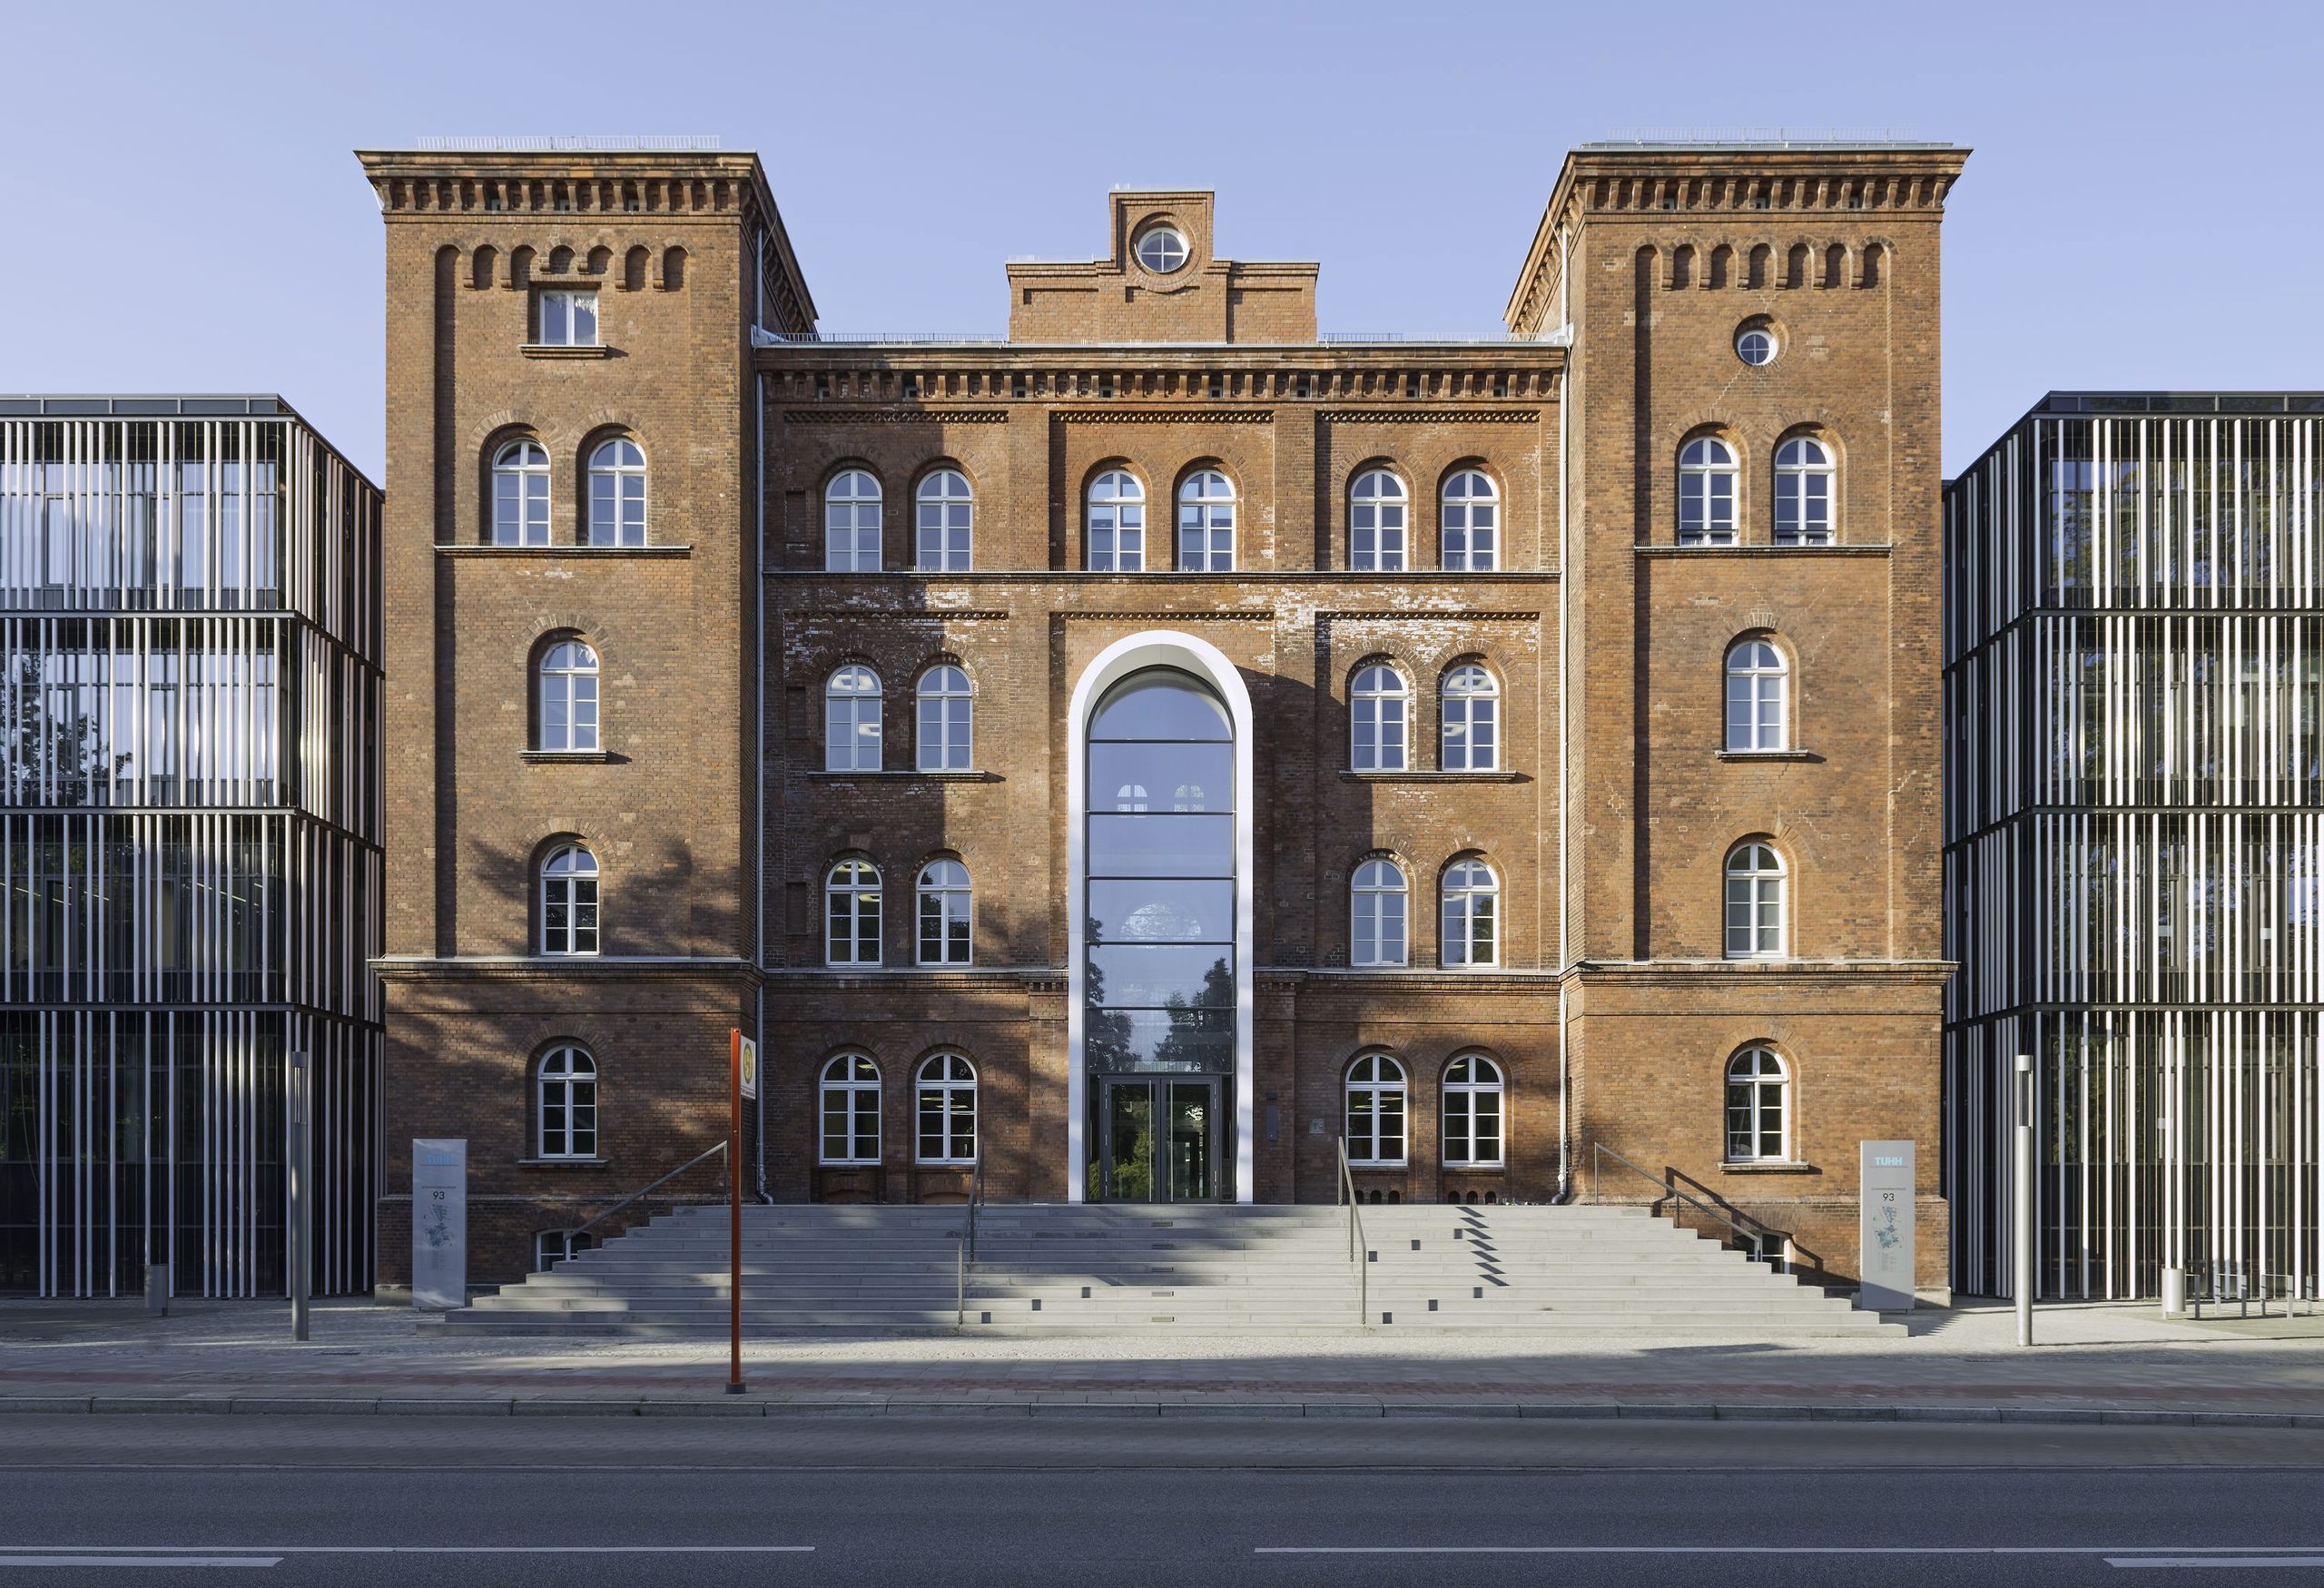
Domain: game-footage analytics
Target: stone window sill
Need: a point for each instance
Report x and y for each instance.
(480, 549)
(1763, 548)
(1427, 776)
(558, 757)
(1765, 1167)
(1769, 755)
(565, 1163)
(893, 771)
(563, 351)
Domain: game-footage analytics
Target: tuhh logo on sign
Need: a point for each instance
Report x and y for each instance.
(750, 1069)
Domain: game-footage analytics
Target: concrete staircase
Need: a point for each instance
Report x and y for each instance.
(1162, 1269)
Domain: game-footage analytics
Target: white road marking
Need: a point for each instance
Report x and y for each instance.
(2227, 1563)
(141, 1560)
(48, 1549)
(2116, 1554)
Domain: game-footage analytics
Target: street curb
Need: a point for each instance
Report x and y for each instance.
(885, 1406)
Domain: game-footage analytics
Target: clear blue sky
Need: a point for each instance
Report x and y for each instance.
(181, 211)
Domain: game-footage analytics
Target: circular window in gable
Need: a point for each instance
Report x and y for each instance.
(1757, 346)
(1161, 249)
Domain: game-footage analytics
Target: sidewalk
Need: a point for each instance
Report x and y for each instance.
(2122, 1360)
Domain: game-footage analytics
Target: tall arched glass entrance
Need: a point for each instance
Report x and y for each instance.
(1159, 940)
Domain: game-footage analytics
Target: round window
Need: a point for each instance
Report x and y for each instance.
(1160, 249)
(1755, 347)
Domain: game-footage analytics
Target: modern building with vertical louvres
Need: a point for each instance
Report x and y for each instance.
(2135, 841)
(190, 865)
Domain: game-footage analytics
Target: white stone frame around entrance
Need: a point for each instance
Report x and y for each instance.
(1207, 662)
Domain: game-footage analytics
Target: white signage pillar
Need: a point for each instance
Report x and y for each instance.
(440, 1223)
(1884, 1226)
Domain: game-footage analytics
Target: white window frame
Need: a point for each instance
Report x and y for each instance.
(1758, 915)
(1379, 902)
(520, 493)
(568, 317)
(946, 1077)
(945, 511)
(570, 886)
(1469, 724)
(1470, 893)
(945, 899)
(1758, 695)
(1379, 522)
(853, 509)
(1377, 1078)
(946, 739)
(1469, 515)
(852, 702)
(849, 1077)
(1806, 499)
(1468, 1080)
(1163, 249)
(1207, 523)
(851, 923)
(617, 493)
(568, 703)
(1710, 481)
(1380, 717)
(571, 1090)
(552, 1247)
(1117, 510)
(1757, 1082)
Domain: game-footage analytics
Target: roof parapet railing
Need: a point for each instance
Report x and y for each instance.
(573, 142)
(1760, 137)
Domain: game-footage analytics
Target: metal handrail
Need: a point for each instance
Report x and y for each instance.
(1598, 1150)
(633, 1196)
(966, 1252)
(1357, 1252)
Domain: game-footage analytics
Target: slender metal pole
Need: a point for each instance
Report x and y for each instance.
(2024, 1188)
(734, 1213)
(299, 1170)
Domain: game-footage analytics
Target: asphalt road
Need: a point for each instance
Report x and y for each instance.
(1121, 1503)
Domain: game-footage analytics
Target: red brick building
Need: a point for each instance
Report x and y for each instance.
(1160, 747)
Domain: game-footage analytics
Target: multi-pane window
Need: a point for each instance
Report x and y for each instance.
(947, 720)
(1379, 714)
(1757, 680)
(568, 714)
(1470, 720)
(1471, 521)
(1377, 904)
(570, 901)
(851, 720)
(1472, 914)
(851, 1110)
(1116, 523)
(1754, 903)
(1472, 1113)
(618, 494)
(568, 320)
(552, 1247)
(946, 917)
(1758, 1119)
(1803, 493)
(1376, 1112)
(851, 523)
(1375, 522)
(946, 514)
(852, 913)
(945, 1099)
(520, 494)
(565, 1103)
(1707, 492)
(1207, 523)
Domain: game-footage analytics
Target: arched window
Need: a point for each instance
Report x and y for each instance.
(565, 1103)
(947, 923)
(946, 520)
(1375, 522)
(1758, 682)
(1376, 1112)
(1379, 712)
(1758, 1113)
(1472, 1113)
(618, 494)
(520, 494)
(1116, 523)
(851, 1110)
(945, 1099)
(569, 708)
(1803, 493)
(1207, 524)
(1472, 519)
(569, 901)
(1377, 905)
(1754, 913)
(851, 720)
(1470, 720)
(852, 913)
(947, 721)
(1472, 914)
(851, 523)
(1707, 493)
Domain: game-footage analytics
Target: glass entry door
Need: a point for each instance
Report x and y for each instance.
(1157, 1141)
